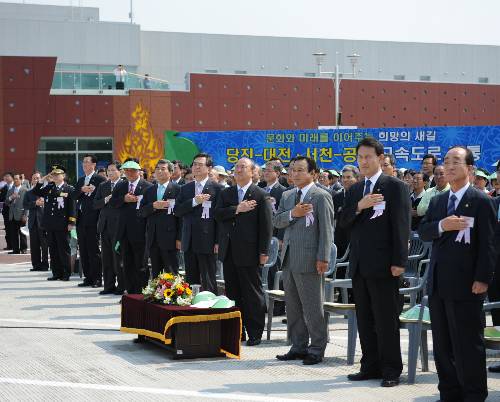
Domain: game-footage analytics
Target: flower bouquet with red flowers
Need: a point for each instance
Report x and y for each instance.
(168, 288)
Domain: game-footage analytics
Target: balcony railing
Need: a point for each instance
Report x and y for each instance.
(104, 80)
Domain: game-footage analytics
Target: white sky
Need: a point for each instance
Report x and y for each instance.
(443, 21)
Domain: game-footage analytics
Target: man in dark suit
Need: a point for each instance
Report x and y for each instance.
(59, 218)
(271, 174)
(342, 236)
(8, 179)
(163, 230)
(86, 223)
(177, 174)
(245, 217)
(131, 231)
(429, 163)
(460, 223)
(494, 288)
(377, 211)
(38, 238)
(195, 204)
(107, 226)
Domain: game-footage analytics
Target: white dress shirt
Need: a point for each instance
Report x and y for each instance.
(373, 180)
(244, 188)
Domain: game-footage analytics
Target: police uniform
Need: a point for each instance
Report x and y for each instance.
(58, 213)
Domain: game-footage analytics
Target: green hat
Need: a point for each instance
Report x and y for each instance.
(493, 176)
(334, 172)
(223, 302)
(131, 165)
(480, 173)
(203, 296)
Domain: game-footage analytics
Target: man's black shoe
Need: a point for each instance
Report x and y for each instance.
(97, 284)
(54, 278)
(107, 292)
(84, 284)
(291, 356)
(14, 252)
(253, 342)
(310, 359)
(494, 369)
(387, 383)
(39, 269)
(65, 278)
(361, 376)
(118, 292)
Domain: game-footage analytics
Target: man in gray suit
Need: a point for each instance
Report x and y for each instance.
(17, 216)
(306, 214)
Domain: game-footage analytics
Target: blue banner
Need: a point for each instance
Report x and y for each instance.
(334, 148)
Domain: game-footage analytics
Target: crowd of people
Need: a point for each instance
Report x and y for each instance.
(132, 224)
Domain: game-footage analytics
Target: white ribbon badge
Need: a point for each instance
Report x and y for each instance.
(60, 202)
(378, 210)
(139, 199)
(171, 205)
(309, 218)
(206, 209)
(465, 233)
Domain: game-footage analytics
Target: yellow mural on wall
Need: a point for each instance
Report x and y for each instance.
(140, 142)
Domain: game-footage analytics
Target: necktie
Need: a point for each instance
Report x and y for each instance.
(160, 192)
(87, 180)
(240, 195)
(112, 186)
(298, 196)
(451, 205)
(268, 189)
(131, 188)
(368, 185)
(199, 188)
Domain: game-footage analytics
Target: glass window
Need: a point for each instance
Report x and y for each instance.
(56, 81)
(95, 144)
(57, 144)
(71, 81)
(44, 163)
(90, 81)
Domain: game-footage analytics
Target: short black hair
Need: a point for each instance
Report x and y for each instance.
(101, 170)
(170, 165)
(116, 163)
(371, 143)
(469, 156)
(392, 159)
(209, 161)
(411, 172)
(430, 156)
(8, 174)
(311, 163)
(178, 162)
(92, 157)
(425, 177)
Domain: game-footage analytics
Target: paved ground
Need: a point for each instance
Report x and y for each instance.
(60, 342)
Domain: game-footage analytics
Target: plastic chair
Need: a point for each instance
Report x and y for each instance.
(491, 334)
(273, 257)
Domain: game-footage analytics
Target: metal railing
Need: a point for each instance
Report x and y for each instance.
(100, 80)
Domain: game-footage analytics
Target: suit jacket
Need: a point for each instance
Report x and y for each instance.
(87, 215)
(379, 243)
(35, 213)
(161, 225)
(3, 197)
(456, 265)
(130, 224)
(108, 216)
(304, 245)
(276, 193)
(199, 235)
(342, 235)
(59, 207)
(16, 208)
(249, 232)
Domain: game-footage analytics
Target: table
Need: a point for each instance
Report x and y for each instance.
(188, 332)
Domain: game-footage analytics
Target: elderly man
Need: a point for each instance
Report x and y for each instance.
(131, 229)
(460, 223)
(245, 217)
(441, 186)
(306, 214)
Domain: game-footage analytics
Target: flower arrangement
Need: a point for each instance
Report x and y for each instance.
(168, 288)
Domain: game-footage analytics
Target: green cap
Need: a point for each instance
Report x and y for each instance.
(480, 173)
(131, 165)
(334, 172)
(203, 296)
(223, 302)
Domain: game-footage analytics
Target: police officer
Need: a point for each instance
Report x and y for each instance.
(58, 219)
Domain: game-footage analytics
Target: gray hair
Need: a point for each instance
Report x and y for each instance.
(351, 168)
(170, 165)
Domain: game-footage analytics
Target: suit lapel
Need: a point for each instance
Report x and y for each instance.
(309, 194)
(464, 207)
(168, 191)
(249, 193)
